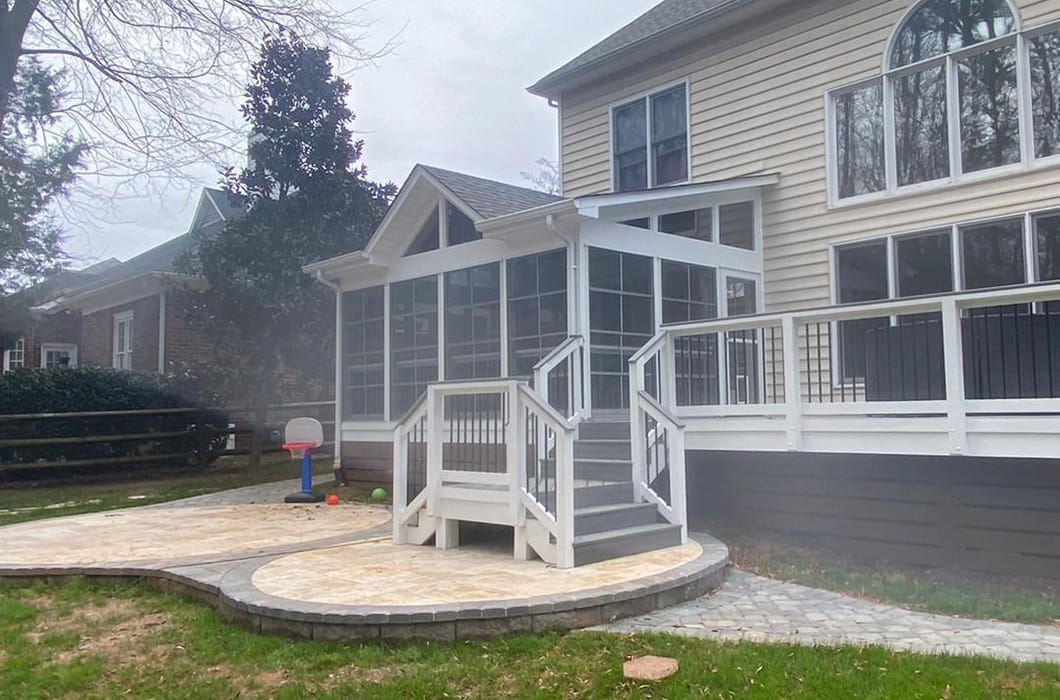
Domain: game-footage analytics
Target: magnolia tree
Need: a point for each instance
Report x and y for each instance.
(307, 198)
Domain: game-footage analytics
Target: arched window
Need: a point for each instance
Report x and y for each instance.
(965, 89)
(938, 27)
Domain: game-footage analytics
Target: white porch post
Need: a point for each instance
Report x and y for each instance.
(792, 388)
(339, 372)
(953, 354)
(162, 332)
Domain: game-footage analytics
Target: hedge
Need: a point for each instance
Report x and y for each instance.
(91, 389)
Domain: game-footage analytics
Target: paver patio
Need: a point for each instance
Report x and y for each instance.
(759, 609)
(319, 560)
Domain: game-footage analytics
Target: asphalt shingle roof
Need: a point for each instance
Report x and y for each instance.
(488, 197)
(667, 15)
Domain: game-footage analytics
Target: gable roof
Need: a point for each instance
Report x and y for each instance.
(490, 198)
(666, 17)
(228, 206)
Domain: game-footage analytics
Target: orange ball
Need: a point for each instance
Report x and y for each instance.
(333, 500)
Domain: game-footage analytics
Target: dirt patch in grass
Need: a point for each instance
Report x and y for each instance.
(115, 631)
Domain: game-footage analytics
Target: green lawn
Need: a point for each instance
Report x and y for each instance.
(104, 640)
(964, 594)
(22, 501)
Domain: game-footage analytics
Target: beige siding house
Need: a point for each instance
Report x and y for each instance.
(804, 274)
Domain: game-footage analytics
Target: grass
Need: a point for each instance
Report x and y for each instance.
(21, 501)
(947, 592)
(101, 640)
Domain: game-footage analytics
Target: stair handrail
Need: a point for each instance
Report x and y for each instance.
(659, 348)
(562, 352)
(676, 511)
(402, 509)
(564, 429)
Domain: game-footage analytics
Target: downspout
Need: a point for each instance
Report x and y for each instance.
(337, 464)
(572, 264)
(162, 332)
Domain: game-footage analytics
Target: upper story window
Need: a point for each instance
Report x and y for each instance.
(964, 91)
(651, 140)
(15, 358)
(735, 224)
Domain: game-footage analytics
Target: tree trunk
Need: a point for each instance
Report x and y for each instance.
(13, 23)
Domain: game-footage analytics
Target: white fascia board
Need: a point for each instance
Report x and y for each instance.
(395, 206)
(519, 218)
(677, 197)
(347, 261)
(115, 294)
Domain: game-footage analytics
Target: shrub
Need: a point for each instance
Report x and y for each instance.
(92, 390)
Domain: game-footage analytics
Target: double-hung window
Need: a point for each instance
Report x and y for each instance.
(963, 91)
(650, 140)
(122, 342)
(58, 355)
(15, 357)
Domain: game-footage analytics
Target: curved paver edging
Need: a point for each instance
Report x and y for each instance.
(240, 601)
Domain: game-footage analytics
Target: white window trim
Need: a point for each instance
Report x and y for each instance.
(60, 347)
(125, 317)
(646, 96)
(1028, 161)
(20, 348)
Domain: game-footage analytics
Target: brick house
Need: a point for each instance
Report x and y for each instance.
(124, 318)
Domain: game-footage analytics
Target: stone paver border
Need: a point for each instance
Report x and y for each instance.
(228, 586)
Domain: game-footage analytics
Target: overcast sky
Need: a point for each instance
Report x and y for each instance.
(452, 94)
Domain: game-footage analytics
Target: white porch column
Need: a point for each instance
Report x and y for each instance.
(162, 332)
(953, 356)
(339, 371)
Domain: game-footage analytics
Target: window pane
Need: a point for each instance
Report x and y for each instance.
(363, 327)
(631, 147)
(644, 223)
(413, 341)
(941, 26)
(859, 141)
(1048, 229)
(925, 264)
(427, 239)
(537, 314)
(736, 224)
(670, 136)
(990, 132)
(742, 296)
(862, 271)
(993, 254)
(697, 224)
(461, 229)
(1045, 88)
(922, 136)
(683, 284)
(473, 323)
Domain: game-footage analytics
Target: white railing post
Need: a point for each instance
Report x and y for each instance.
(637, 441)
(400, 492)
(678, 494)
(792, 384)
(667, 378)
(515, 455)
(435, 414)
(953, 354)
(564, 500)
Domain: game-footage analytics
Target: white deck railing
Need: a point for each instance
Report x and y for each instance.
(563, 368)
(948, 373)
(488, 452)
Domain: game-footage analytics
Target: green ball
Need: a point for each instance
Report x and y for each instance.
(379, 495)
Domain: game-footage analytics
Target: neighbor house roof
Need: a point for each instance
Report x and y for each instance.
(488, 197)
(666, 17)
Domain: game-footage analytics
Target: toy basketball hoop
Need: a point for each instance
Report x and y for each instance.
(300, 437)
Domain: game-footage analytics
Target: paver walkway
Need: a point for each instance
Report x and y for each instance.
(759, 609)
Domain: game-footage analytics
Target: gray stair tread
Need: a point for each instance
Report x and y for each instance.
(612, 508)
(623, 533)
